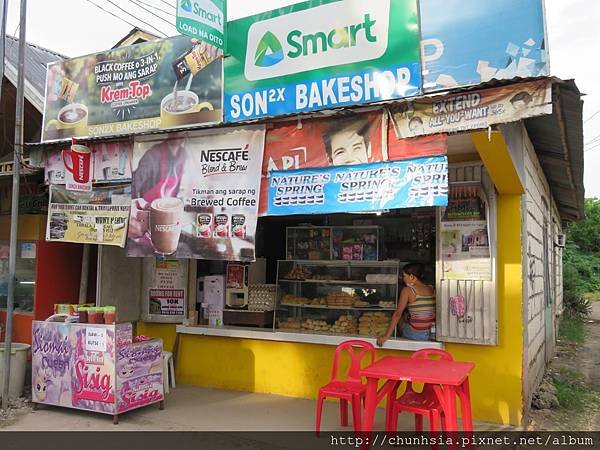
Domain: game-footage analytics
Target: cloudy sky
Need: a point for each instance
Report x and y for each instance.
(78, 27)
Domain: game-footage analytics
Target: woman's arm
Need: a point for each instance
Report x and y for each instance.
(396, 317)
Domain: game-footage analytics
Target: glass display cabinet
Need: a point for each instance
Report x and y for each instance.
(353, 298)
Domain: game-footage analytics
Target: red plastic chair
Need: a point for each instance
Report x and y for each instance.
(421, 404)
(352, 388)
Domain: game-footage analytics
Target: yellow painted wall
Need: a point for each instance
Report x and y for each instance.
(297, 370)
(31, 227)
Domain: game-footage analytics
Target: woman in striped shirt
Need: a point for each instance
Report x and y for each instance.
(418, 300)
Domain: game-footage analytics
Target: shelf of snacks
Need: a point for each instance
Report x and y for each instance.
(353, 298)
(349, 243)
(312, 243)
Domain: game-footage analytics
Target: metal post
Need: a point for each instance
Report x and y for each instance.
(84, 279)
(3, 12)
(14, 210)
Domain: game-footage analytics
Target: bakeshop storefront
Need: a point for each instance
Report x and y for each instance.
(326, 271)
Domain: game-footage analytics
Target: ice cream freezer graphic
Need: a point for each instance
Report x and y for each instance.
(95, 367)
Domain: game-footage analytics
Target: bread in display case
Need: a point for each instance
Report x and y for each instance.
(350, 243)
(351, 298)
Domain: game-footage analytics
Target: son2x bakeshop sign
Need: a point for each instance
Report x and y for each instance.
(321, 54)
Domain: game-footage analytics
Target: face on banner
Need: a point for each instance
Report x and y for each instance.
(110, 162)
(196, 195)
(342, 141)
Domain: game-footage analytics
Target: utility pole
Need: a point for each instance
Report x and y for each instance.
(14, 210)
(4, 12)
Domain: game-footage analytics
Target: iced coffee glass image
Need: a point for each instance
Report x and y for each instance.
(72, 118)
(180, 108)
(166, 215)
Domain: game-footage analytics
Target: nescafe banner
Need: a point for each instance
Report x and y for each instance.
(195, 194)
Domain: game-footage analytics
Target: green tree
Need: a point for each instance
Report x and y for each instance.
(586, 234)
(581, 259)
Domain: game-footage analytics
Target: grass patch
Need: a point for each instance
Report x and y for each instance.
(592, 296)
(572, 392)
(571, 330)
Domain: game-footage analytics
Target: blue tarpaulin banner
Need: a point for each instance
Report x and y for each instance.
(360, 188)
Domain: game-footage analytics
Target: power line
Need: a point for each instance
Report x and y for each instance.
(596, 146)
(150, 12)
(112, 14)
(152, 5)
(591, 117)
(591, 141)
(131, 15)
(168, 4)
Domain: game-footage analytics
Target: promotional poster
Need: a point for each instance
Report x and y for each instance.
(166, 294)
(139, 375)
(355, 139)
(321, 54)
(93, 373)
(195, 195)
(157, 85)
(466, 250)
(97, 217)
(360, 188)
(110, 162)
(464, 234)
(51, 352)
(472, 110)
(467, 42)
(203, 19)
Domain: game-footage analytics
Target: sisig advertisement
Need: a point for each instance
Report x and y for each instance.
(360, 188)
(168, 83)
(195, 195)
(97, 217)
(139, 375)
(321, 54)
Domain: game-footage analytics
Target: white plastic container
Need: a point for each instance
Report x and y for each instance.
(18, 363)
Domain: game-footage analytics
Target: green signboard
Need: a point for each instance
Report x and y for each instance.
(321, 54)
(203, 19)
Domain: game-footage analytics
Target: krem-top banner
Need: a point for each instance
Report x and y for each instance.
(158, 85)
(360, 188)
(321, 54)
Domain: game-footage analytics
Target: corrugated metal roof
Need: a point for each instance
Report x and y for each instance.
(36, 60)
(558, 141)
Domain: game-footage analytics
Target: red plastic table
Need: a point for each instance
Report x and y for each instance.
(449, 379)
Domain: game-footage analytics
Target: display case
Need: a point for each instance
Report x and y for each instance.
(350, 243)
(353, 298)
